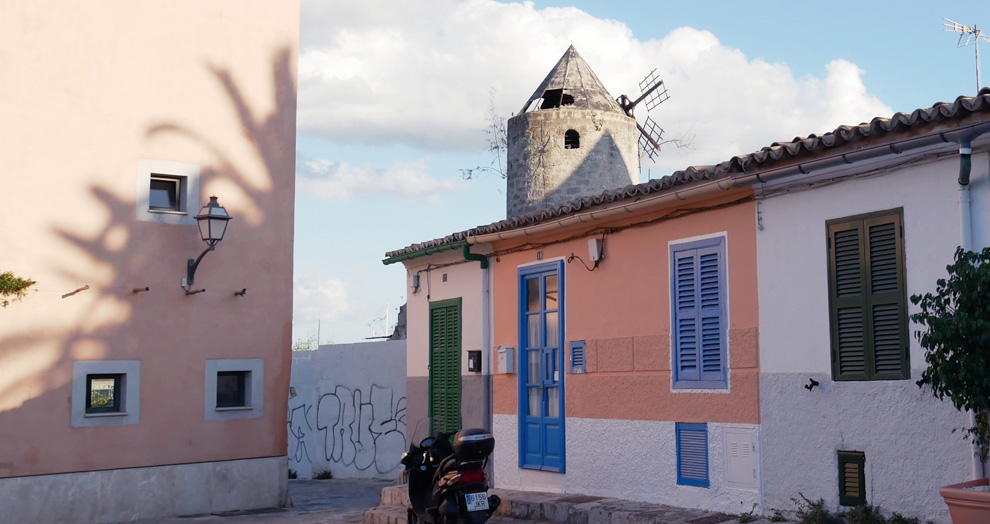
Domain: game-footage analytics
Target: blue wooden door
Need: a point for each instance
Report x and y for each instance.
(541, 391)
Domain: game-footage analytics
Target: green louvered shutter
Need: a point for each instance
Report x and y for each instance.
(852, 478)
(445, 365)
(867, 297)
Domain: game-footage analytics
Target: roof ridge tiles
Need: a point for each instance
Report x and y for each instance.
(746, 163)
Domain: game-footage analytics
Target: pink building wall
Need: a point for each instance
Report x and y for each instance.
(89, 90)
(622, 311)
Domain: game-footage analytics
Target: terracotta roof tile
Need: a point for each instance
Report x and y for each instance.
(775, 152)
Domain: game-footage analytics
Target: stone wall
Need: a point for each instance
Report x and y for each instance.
(542, 172)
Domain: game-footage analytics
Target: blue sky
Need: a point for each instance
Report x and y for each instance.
(393, 98)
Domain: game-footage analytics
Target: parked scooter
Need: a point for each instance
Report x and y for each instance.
(447, 479)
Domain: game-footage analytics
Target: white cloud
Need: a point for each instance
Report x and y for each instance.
(339, 182)
(319, 298)
(419, 73)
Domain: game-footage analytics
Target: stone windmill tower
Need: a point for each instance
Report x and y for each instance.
(571, 139)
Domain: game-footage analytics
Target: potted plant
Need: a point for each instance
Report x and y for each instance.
(956, 340)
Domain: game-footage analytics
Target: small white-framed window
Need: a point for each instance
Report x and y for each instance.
(167, 192)
(105, 393)
(234, 389)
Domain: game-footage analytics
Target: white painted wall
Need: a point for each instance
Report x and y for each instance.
(626, 459)
(905, 433)
(347, 410)
(464, 281)
(144, 494)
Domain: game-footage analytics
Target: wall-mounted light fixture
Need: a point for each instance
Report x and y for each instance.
(415, 282)
(212, 221)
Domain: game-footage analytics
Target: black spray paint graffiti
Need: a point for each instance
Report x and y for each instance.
(298, 427)
(359, 429)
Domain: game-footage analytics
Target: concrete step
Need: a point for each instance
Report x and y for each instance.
(396, 515)
(560, 508)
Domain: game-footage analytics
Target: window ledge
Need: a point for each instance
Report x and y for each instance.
(236, 408)
(167, 212)
(97, 415)
(700, 386)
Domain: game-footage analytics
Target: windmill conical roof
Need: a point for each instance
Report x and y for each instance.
(574, 77)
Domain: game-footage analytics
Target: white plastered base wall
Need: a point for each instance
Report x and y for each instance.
(625, 459)
(127, 495)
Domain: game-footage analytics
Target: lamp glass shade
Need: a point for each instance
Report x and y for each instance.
(212, 221)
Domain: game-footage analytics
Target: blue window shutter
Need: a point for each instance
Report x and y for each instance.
(710, 294)
(699, 306)
(686, 315)
(577, 357)
(692, 454)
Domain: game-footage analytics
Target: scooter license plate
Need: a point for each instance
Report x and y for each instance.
(476, 501)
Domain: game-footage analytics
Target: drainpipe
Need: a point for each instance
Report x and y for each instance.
(965, 167)
(486, 335)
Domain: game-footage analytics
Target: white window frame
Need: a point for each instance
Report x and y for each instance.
(188, 176)
(129, 397)
(254, 397)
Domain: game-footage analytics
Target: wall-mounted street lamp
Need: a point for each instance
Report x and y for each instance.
(212, 221)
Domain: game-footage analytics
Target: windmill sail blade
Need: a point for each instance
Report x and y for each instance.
(650, 136)
(654, 91)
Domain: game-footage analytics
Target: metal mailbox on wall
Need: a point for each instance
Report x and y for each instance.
(506, 359)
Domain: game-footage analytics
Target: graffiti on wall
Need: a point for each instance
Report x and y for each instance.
(299, 428)
(358, 428)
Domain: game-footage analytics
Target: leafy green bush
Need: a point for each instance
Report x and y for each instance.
(957, 332)
(815, 512)
(866, 514)
(323, 475)
(13, 288)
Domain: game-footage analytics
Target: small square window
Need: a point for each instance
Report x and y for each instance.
(235, 388)
(164, 193)
(232, 389)
(167, 192)
(104, 393)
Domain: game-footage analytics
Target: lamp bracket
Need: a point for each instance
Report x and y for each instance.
(191, 266)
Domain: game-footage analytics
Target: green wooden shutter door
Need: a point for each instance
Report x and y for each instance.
(867, 297)
(445, 365)
(888, 302)
(848, 301)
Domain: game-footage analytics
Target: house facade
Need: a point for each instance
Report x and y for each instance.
(872, 216)
(735, 336)
(448, 339)
(129, 389)
(643, 363)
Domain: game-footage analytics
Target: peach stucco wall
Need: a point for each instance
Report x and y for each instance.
(622, 311)
(88, 89)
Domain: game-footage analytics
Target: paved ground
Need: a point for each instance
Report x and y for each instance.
(335, 501)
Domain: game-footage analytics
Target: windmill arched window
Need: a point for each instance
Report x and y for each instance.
(572, 140)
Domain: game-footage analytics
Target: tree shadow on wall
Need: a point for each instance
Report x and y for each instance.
(122, 298)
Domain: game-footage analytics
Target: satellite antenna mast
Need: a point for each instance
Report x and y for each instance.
(968, 35)
(653, 92)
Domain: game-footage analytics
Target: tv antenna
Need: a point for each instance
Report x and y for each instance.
(968, 35)
(653, 92)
